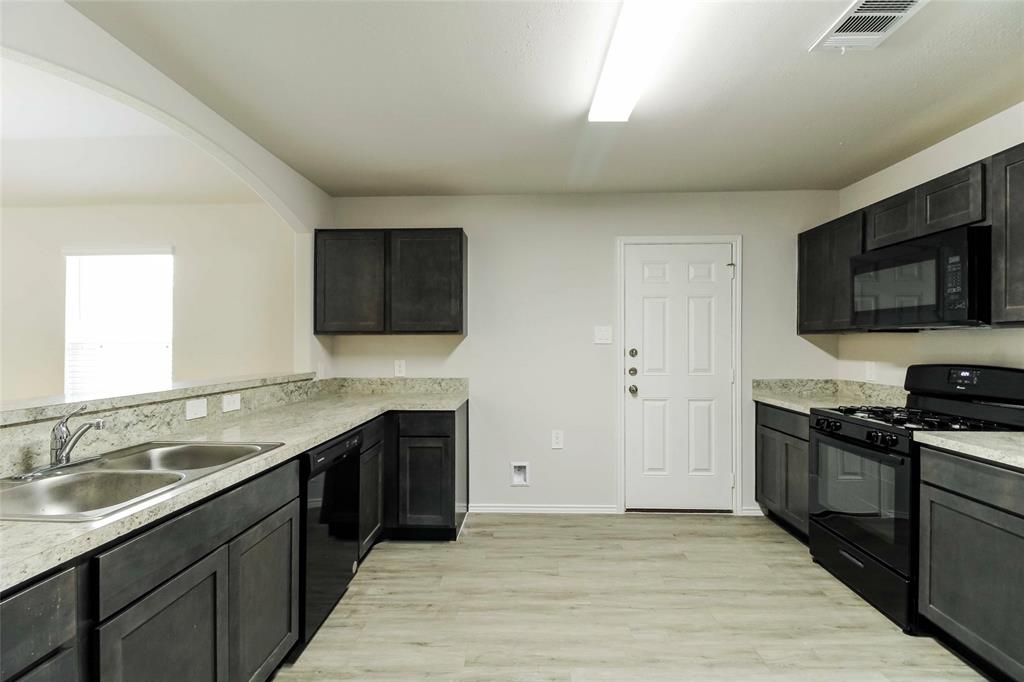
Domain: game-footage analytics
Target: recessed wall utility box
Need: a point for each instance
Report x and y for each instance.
(195, 409)
(520, 473)
(231, 402)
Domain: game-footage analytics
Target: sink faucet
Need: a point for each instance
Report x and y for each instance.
(63, 440)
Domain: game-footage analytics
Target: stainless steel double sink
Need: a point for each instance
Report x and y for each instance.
(117, 480)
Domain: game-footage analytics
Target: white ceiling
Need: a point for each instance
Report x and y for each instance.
(368, 98)
(65, 144)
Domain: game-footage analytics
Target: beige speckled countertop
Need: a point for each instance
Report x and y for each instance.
(30, 548)
(999, 447)
(800, 395)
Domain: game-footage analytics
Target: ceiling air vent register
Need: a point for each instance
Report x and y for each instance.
(866, 23)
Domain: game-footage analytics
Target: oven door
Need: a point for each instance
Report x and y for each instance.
(865, 496)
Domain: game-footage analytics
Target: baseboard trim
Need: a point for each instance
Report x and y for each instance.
(750, 511)
(543, 509)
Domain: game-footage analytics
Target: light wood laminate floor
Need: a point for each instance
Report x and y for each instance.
(611, 598)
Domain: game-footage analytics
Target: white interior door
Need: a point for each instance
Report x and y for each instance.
(679, 339)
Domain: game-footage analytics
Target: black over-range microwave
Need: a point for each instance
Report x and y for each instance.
(939, 280)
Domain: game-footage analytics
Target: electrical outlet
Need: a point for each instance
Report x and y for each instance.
(520, 474)
(195, 409)
(557, 439)
(231, 402)
(399, 368)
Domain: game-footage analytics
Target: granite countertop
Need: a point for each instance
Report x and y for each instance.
(1005, 448)
(29, 548)
(800, 395)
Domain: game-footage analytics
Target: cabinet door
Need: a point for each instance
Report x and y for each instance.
(263, 594)
(349, 281)
(955, 199)
(768, 453)
(179, 631)
(36, 622)
(1008, 236)
(426, 482)
(846, 240)
(892, 220)
(970, 585)
(795, 477)
(370, 499)
(426, 280)
(814, 308)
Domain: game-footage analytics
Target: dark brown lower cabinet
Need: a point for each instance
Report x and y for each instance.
(177, 632)
(263, 590)
(426, 482)
(781, 467)
(371, 510)
(972, 557)
(38, 630)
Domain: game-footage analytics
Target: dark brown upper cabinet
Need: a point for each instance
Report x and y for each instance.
(891, 220)
(1007, 204)
(390, 281)
(349, 281)
(426, 280)
(955, 199)
(824, 274)
(952, 200)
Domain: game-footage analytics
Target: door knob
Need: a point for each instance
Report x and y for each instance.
(632, 352)
(632, 371)
(633, 390)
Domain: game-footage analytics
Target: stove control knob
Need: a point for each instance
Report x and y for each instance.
(873, 436)
(819, 423)
(834, 425)
(890, 439)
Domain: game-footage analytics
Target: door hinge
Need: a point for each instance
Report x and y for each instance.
(734, 481)
(732, 270)
(732, 376)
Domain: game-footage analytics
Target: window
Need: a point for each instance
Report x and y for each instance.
(118, 321)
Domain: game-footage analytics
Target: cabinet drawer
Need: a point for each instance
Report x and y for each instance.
(790, 423)
(36, 622)
(426, 424)
(135, 567)
(61, 668)
(992, 485)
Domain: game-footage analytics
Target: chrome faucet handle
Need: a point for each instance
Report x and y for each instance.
(61, 434)
(72, 413)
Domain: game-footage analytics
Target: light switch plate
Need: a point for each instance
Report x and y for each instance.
(399, 368)
(557, 439)
(231, 402)
(195, 409)
(602, 335)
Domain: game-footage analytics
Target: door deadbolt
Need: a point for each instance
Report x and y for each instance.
(632, 352)
(633, 390)
(632, 371)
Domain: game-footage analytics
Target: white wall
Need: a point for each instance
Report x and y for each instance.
(56, 37)
(885, 357)
(233, 288)
(541, 275)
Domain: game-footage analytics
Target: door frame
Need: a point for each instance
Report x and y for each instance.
(736, 242)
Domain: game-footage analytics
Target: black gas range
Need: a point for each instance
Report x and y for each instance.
(864, 475)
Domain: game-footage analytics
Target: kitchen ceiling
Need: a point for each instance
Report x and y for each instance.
(395, 98)
(63, 143)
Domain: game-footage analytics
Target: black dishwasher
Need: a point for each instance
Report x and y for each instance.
(330, 527)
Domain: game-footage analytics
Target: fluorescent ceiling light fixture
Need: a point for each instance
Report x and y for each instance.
(643, 33)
